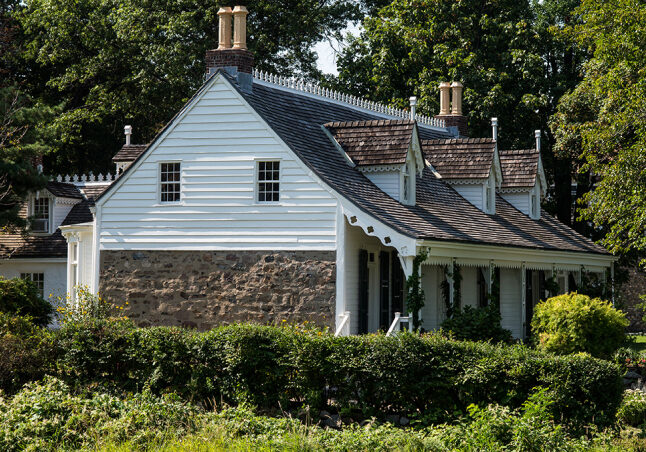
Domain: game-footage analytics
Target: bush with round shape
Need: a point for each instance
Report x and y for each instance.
(632, 410)
(573, 322)
(20, 297)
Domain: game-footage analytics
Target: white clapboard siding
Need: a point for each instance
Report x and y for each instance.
(60, 211)
(519, 200)
(430, 284)
(218, 142)
(474, 193)
(387, 181)
(511, 300)
(469, 286)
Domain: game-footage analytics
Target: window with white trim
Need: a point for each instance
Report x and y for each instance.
(38, 279)
(40, 214)
(406, 183)
(268, 176)
(169, 179)
(535, 206)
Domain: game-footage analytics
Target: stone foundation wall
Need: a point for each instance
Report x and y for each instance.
(202, 289)
(630, 292)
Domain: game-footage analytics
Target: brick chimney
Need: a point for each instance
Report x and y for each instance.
(452, 114)
(236, 60)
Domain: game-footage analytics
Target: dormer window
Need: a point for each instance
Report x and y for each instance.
(490, 196)
(535, 207)
(40, 213)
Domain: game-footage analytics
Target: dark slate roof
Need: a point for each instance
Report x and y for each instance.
(81, 213)
(519, 168)
(463, 158)
(440, 212)
(32, 246)
(377, 142)
(63, 190)
(129, 152)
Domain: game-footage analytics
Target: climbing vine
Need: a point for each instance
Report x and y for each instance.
(414, 291)
(494, 296)
(452, 272)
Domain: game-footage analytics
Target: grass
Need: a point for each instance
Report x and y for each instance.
(639, 344)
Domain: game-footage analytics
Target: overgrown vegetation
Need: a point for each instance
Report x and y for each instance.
(574, 322)
(478, 324)
(21, 297)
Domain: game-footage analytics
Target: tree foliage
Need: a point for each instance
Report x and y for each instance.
(112, 63)
(603, 120)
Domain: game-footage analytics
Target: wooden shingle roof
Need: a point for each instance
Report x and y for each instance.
(129, 152)
(376, 142)
(461, 158)
(519, 168)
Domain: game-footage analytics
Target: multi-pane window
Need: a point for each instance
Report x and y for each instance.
(40, 215)
(406, 183)
(170, 182)
(38, 279)
(268, 181)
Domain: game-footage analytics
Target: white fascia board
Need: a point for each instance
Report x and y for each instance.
(518, 255)
(34, 260)
(72, 227)
(416, 147)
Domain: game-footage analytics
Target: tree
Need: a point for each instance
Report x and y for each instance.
(603, 121)
(512, 57)
(112, 63)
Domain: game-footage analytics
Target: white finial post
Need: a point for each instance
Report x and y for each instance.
(127, 130)
(413, 106)
(537, 134)
(494, 127)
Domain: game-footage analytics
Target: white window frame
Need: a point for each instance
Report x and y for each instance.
(534, 205)
(50, 212)
(30, 276)
(407, 172)
(489, 195)
(159, 183)
(73, 267)
(256, 182)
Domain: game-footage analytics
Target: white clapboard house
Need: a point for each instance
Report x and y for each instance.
(268, 198)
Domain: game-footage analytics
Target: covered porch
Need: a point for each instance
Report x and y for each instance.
(374, 267)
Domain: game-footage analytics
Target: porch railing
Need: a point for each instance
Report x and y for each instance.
(344, 325)
(395, 326)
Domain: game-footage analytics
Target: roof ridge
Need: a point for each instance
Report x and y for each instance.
(460, 141)
(318, 90)
(368, 123)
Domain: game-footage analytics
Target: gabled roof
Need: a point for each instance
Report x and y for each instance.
(460, 158)
(519, 168)
(376, 142)
(129, 152)
(63, 190)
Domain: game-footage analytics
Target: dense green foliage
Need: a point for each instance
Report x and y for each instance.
(575, 322)
(414, 291)
(368, 375)
(603, 120)
(21, 297)
(109, 63)
(633, 409)
(49, 416)
(477, 324)
(25, 350)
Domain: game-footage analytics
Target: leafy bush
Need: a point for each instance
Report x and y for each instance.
(47, 416)
(368, 375)
(25, 350)
(633, 409)
(573, 323)
(477, 324)
(20, 297)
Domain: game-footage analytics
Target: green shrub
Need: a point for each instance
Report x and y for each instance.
(573, 323)
(477, 324)
(25, 350)
(426, 376)
(20, 297)
(633, 409)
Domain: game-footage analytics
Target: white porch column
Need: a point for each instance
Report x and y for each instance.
(340, 305)
(523, 297)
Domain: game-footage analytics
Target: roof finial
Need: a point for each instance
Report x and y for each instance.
(413, 105)
(537, 134)
(127, 130)
(494, 127)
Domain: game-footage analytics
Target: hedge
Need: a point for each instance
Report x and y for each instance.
(271, 367)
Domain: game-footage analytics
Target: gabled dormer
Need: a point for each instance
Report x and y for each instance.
(470, 165)
(524, 184)
(128, 153)
(388, 152)
(47, 208)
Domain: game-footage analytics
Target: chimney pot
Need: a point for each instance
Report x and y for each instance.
(240, 27)
(413, 105)
(494, 127)
(537, 135)
(445, 92)
(224, 31)
(456, 104)
(127, 130)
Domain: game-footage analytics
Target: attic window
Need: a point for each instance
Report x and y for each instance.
(535, 206)
(407, 184)
(170, 189)
(268, 181)
(40, 215)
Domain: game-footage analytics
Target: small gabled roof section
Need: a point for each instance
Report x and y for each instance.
(63, 190)
(378, 142)
(129, 152)
(520, 168)
(461, 158)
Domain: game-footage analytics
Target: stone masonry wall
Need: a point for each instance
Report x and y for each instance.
(202, 289)
(631, 301)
